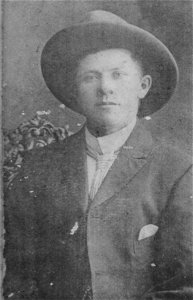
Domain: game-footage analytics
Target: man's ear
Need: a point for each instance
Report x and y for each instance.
(146, 83)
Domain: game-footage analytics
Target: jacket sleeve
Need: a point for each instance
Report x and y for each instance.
(173, 277)
(20, 241)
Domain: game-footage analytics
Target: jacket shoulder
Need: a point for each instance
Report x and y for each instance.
(173, 155)
(50, 154)
(170, 161)
(41, 161)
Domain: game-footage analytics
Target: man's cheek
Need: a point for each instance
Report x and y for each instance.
(89, 91)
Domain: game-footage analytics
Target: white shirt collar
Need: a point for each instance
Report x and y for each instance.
(112, 142)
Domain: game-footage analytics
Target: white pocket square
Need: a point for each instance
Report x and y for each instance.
(147, 231)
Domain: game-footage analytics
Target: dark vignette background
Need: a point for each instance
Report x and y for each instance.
(27, 25)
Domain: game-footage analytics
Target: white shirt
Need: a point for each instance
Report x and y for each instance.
(107, 144)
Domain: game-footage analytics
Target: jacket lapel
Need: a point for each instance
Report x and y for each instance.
(131, 158)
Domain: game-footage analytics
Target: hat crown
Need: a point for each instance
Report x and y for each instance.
(102, 16)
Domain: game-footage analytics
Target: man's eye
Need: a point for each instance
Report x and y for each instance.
(89, 78)
(116, 74)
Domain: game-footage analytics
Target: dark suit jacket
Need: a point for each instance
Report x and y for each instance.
(55, 235)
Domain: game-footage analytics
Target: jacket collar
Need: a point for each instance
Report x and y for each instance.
(140, 142)
(130, 160)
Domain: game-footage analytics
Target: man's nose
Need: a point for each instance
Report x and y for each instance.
(105, 86)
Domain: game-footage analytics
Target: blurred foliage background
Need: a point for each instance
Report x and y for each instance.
(27, 25)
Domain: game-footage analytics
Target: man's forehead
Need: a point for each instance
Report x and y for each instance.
(110, 58)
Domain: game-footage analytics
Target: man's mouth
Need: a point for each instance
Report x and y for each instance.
(106, 103)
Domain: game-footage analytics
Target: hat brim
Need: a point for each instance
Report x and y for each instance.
(62, 53)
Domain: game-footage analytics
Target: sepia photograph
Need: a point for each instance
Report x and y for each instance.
(97, 150)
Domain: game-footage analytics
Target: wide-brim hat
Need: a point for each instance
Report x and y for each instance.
(101, 30)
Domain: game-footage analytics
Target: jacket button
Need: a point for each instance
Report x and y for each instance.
(10, 295)
(153, 265)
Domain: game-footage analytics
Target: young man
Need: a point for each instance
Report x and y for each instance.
(106, 214)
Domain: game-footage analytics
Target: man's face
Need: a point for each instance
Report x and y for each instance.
(109, 85)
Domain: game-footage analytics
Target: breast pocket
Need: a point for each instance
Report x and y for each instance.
(144, 250)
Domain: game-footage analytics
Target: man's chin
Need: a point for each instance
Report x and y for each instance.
(105, 127)
(103, 123)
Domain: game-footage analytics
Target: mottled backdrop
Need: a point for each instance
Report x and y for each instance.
(29, 24)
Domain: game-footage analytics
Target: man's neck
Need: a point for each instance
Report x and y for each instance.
(111, 142)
